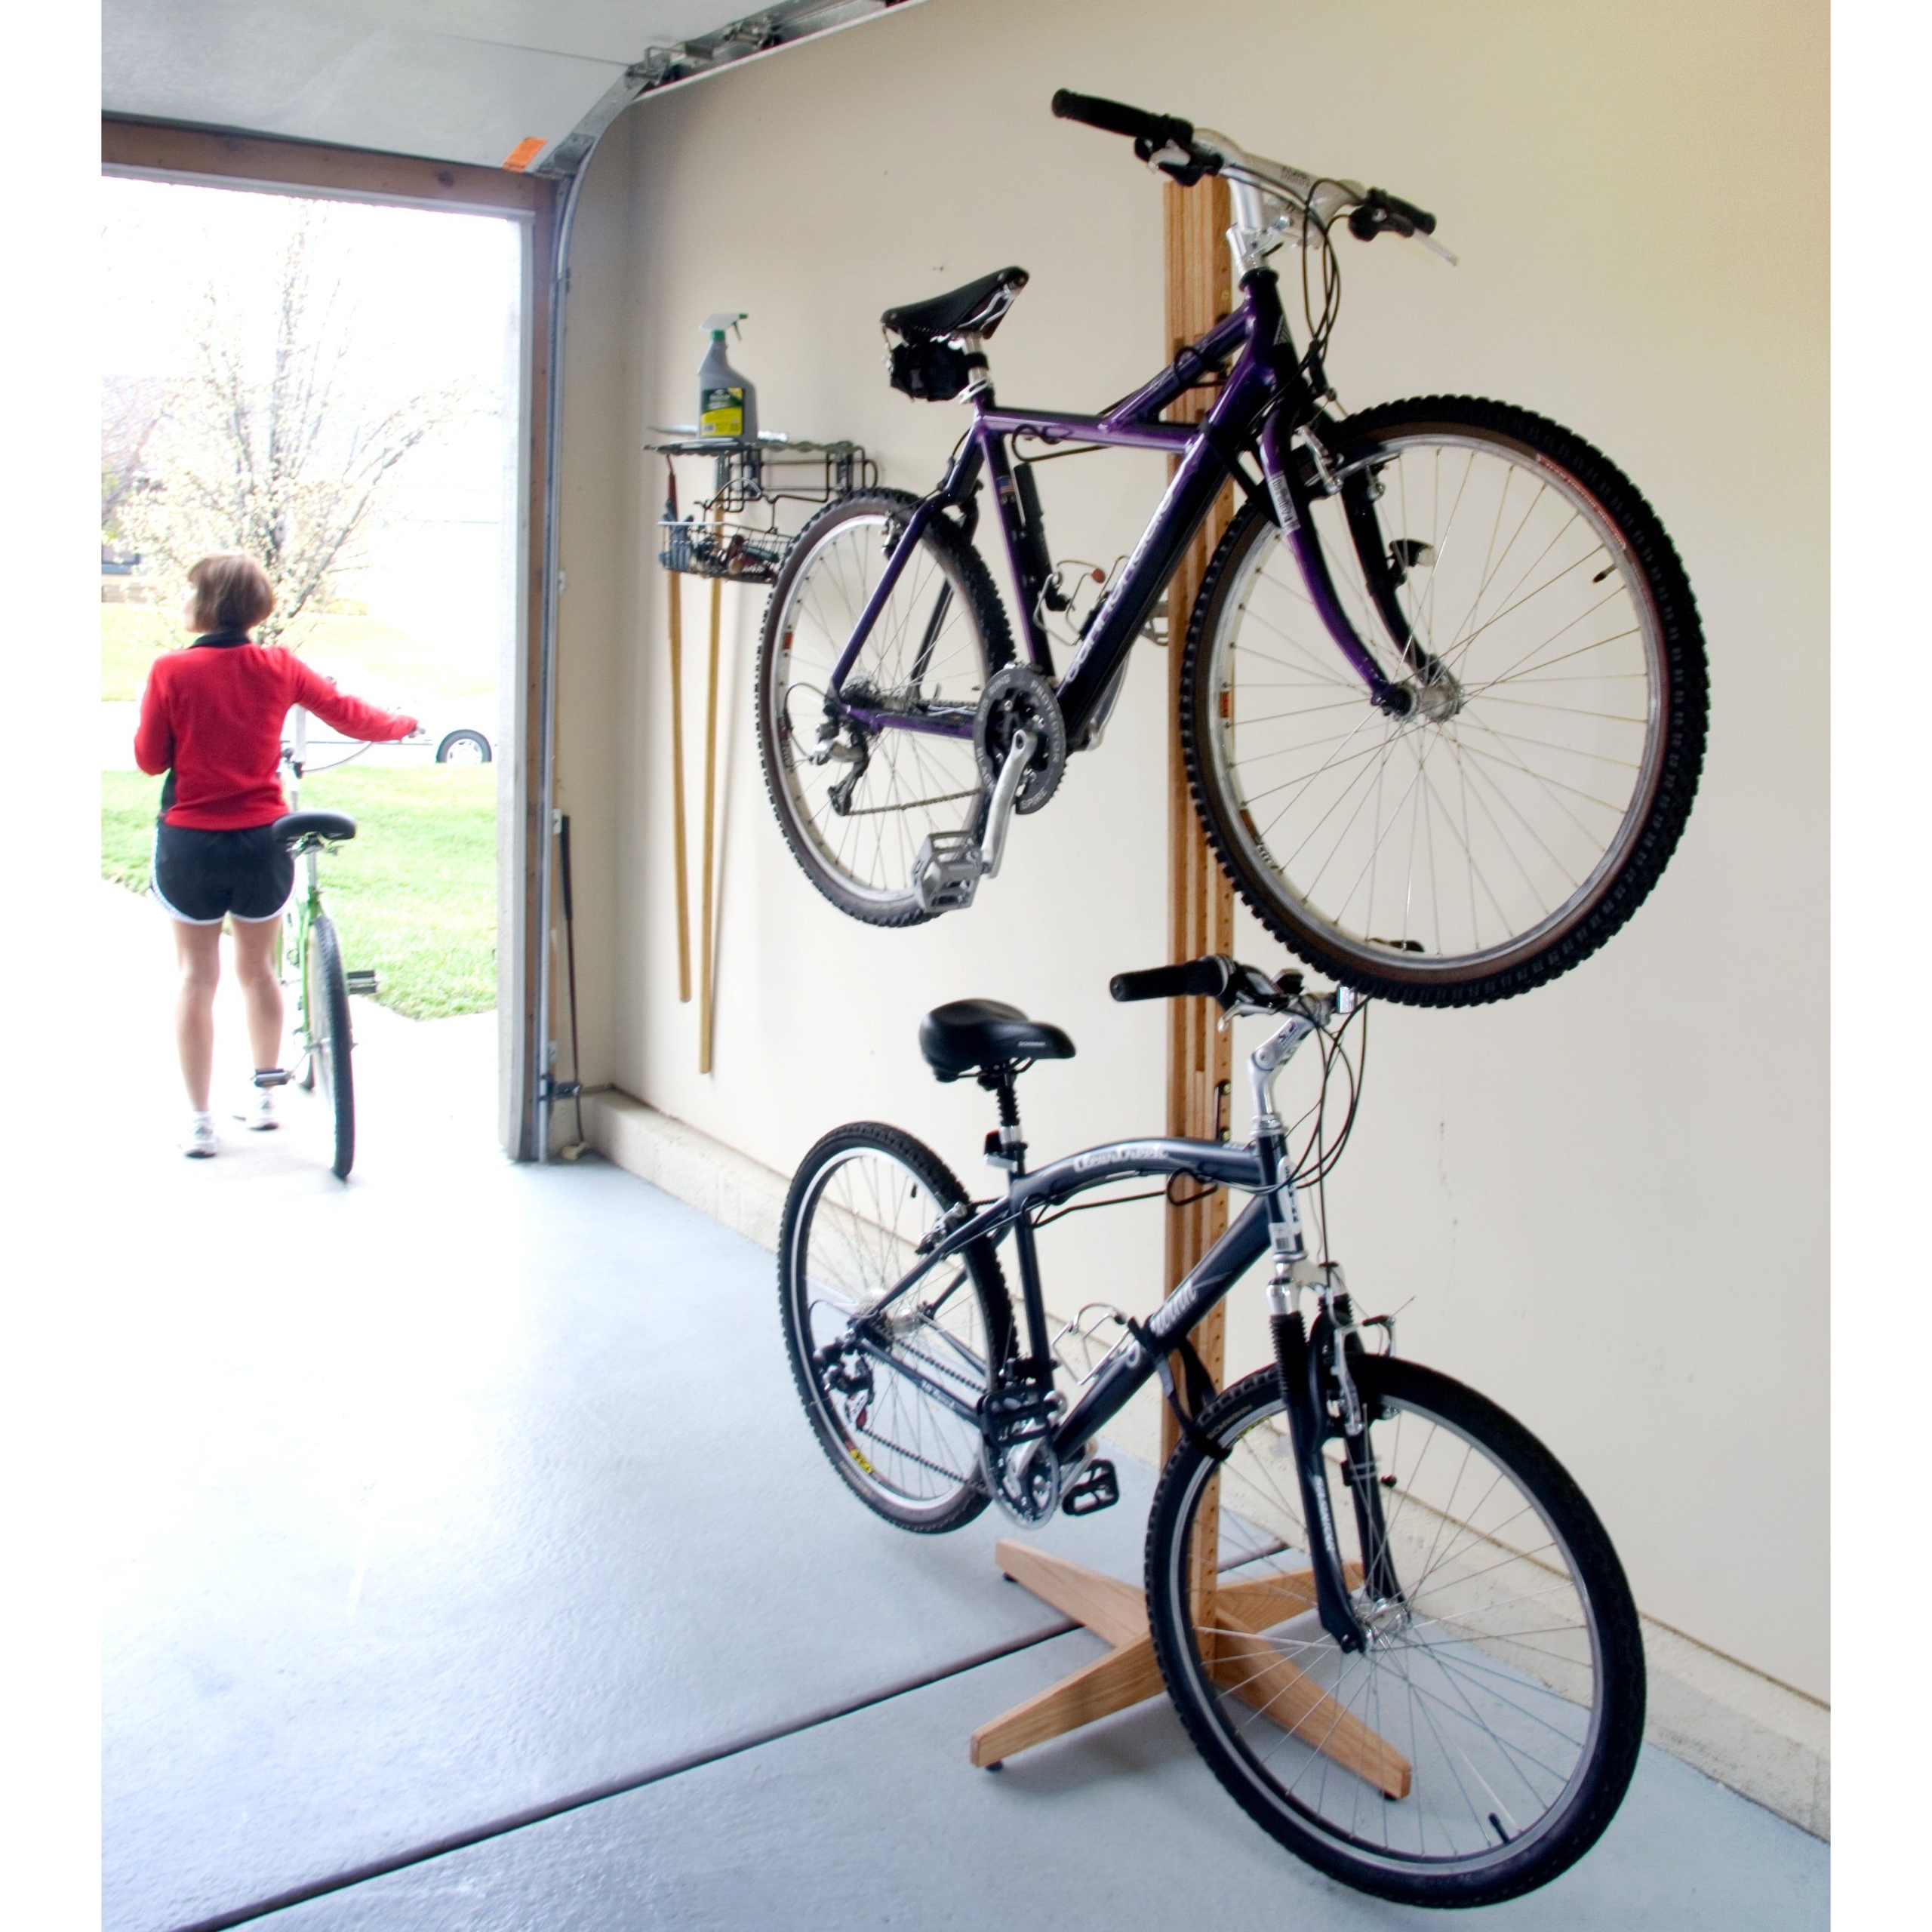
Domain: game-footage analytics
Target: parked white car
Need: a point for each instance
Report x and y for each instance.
(454, 738)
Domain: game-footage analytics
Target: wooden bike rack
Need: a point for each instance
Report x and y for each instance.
(1200, 1066)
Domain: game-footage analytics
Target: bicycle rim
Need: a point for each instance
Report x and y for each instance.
(857, 820)
(1476, 834)
(1481, 1742)
(861, 1210)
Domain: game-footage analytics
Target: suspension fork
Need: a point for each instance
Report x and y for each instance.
(1298, 1369)
(1334, 1352)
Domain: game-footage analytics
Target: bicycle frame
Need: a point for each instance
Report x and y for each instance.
(1264, 401)
(1310, 1362)
(1130, 1365)
(300, 920)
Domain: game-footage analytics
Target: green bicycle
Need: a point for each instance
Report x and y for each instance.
(323, 1039)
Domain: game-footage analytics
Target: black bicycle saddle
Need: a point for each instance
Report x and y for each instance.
(967, 1034)
(319, 825)
(975, 309)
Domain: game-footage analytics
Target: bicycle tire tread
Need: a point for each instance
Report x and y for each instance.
(1686, 736)
(981, 1261)
(1623, 1664)
(987, 615)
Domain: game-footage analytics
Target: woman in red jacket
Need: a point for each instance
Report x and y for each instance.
(211, 718)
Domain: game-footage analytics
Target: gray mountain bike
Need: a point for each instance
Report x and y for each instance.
(1391, 1625)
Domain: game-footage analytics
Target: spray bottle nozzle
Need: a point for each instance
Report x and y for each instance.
(725, 318)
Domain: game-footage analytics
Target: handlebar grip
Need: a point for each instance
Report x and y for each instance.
(1206, 977)
(1421, 217)
(1115, 117)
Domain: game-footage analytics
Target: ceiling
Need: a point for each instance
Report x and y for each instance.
(475, 81)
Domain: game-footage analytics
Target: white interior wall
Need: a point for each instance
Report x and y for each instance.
(1605, 1203)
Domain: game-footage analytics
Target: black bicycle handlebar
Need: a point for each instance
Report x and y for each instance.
(1227, 982)
(1149, 132)
(1385, 213)
(1115, 117)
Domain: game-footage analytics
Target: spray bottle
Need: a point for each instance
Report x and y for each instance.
(727, 403)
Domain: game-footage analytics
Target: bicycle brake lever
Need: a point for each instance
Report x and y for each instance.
(1435, 247)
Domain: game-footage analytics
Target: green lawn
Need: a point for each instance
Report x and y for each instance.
(374, 660)
(414, 896)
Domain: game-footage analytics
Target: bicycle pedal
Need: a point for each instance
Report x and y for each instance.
(1096, 1488)
(271, 1076)
(947, 872)
(362, 982)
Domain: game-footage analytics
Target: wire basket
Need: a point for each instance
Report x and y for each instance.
(727, 550)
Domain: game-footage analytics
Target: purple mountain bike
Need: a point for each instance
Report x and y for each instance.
(1443, 699)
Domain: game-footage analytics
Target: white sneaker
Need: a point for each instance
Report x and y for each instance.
(261, 1117)
(200, 1143)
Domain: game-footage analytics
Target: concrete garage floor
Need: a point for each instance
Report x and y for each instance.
(449, 1496)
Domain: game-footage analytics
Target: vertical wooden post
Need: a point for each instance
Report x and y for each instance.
(705, 915)
(1200, 900)
(674, 583)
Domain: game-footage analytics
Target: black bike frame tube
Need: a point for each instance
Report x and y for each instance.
(1006, 495)
(1123, 1160)
(1129, 1366)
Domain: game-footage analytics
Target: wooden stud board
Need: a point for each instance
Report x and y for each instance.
(706, 921)
(1200, 900)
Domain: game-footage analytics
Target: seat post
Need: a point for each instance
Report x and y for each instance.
(1007, 1149)
(998, 1080)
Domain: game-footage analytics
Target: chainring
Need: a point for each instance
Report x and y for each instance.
(1017, 698)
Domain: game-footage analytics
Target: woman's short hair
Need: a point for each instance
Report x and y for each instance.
(231, 593)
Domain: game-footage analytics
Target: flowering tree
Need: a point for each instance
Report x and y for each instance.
(278, 446)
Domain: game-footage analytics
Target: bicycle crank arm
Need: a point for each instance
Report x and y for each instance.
(999, 813)
(950, 865)
(1331, 1594)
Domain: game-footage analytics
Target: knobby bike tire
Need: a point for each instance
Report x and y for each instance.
(1509, 1616)
(882, 813)
(1623, 849)
(331, 1047)
(904, 1456)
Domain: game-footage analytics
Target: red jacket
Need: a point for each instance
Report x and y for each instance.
(213, 714)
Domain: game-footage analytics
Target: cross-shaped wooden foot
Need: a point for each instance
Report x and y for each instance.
(1243, 1660)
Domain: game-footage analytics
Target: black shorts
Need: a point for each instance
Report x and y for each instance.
(201, 878)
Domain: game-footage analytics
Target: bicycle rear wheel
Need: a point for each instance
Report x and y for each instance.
(895, 1413)
(1481, 1743)
(1509, 824)
(329, 1041)
(855, 805)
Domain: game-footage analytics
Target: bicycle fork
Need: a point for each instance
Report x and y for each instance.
(1315, 1370)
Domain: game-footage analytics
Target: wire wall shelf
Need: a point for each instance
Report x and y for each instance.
(716, 538)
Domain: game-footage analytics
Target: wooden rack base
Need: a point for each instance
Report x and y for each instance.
(1243, 1660)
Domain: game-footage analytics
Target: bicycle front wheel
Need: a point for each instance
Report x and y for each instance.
(1484, 1738)
(895, 1403)
(857, 804)
(1509, 824)
(329, 1041)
